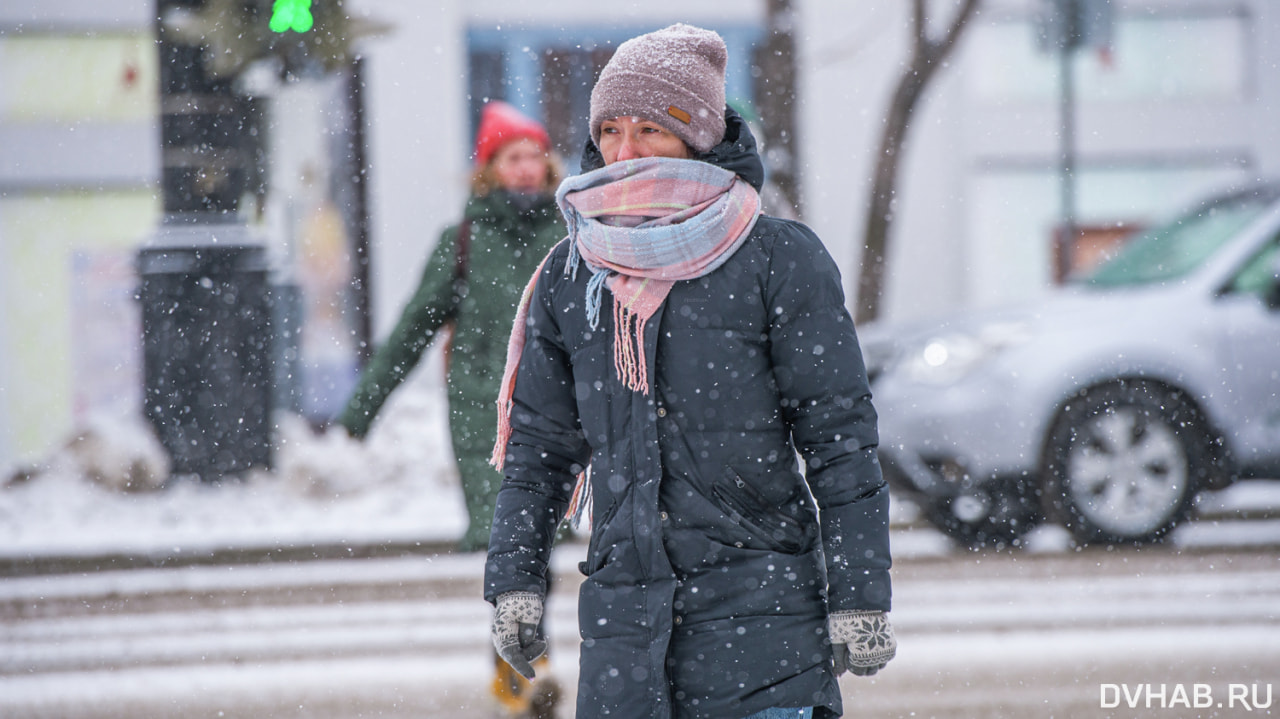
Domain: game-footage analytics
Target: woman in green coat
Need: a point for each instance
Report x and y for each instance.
(472, 284)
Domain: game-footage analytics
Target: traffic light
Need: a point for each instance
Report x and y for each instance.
(308, 35)
(304, 35)
(292, 15)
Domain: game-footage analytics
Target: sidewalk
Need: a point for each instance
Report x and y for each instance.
(325, 497)
(1006, 635)
(395, 494)
(258, 522)
(67, 525)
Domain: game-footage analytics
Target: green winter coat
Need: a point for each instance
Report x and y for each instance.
(506, 245)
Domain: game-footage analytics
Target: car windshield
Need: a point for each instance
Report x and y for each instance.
(1172, 250)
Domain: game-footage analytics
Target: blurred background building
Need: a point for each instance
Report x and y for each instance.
(370, 160)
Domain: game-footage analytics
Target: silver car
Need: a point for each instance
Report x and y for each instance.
(1107, 405)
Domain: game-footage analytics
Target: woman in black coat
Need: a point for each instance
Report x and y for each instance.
(689, 351)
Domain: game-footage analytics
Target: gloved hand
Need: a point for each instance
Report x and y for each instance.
(516, 631)
(861, 641)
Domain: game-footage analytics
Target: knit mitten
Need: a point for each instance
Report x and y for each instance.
(516, 632)
(861, 641)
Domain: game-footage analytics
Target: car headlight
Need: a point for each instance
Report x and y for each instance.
(946, 358)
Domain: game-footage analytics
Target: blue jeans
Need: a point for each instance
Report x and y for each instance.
(804, 713)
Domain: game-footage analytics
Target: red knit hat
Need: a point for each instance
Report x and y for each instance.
(501, 123)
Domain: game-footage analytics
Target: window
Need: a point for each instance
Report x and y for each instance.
(1175, 249)
(1258, 277)
(548, 72)
(1166, 56)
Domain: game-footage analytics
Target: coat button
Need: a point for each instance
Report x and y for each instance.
(678, 620)
(663, 515)
(662, 411)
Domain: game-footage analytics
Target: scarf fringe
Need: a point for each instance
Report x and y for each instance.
(579, 512)
(499, 456)
(628, 348)
(595, 291)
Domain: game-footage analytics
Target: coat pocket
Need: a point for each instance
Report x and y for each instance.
(597, 552)
(746, 507)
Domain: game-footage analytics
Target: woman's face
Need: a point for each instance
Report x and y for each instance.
(521, 166)
(627, 138)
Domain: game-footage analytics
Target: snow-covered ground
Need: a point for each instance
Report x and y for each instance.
(186, 641)
(1007, 636)
(398, 486)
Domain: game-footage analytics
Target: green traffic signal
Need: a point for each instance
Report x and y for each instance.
(292, 15)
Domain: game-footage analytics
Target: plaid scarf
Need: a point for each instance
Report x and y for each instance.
(640, 226)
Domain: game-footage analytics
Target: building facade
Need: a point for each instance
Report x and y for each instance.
(1185, 99)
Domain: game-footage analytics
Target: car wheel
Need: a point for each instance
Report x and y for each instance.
(992, 516)
(1122, 461)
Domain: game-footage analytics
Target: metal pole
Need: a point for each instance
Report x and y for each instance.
(1066, 246)
(363, 303)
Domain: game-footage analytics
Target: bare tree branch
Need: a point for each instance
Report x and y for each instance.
(920, 25)
(926, 58)
(943, 47)
(775, 77)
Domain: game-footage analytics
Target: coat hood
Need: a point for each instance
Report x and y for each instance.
(737, 152)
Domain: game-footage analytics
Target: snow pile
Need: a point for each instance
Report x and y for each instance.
(118, 455)
(100, 494)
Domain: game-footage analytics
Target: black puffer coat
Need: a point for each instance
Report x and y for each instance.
(709, 575)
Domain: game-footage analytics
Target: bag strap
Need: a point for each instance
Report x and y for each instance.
(462, 251)
(461, 258)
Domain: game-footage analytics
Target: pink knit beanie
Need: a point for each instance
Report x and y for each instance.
(673, 77)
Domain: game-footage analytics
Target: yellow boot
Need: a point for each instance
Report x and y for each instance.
(545, 692)
(524, 699)
(509, 688)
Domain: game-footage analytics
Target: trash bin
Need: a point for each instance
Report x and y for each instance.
(207, 355)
